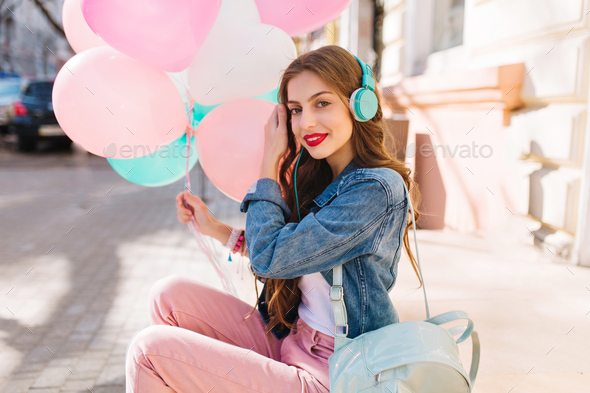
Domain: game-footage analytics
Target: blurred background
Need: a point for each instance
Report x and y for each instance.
(487, 102)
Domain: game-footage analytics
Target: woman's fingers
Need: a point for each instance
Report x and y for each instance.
(195, 207)
(184, 211)
(179, 198)
(180, 204)
(184, 218)
(193, 199)
(184, 214)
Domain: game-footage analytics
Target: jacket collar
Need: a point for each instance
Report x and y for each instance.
(331, 190)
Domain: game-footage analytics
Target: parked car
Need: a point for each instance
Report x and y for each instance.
(34, 118)
(9, 92)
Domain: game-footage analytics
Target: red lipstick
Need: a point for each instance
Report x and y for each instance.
(316, 141)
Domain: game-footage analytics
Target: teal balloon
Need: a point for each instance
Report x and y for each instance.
(270, 96)
(159, 168)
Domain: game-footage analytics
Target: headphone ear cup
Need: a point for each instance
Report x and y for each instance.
(363, 104)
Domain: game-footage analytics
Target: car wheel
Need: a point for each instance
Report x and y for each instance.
(26, 143)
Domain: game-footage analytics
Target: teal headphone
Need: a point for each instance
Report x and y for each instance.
(363, 104)
(363, 101)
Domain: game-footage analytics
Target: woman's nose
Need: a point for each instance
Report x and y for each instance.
(307, 120)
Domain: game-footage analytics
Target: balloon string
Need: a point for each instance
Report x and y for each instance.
(208, 248)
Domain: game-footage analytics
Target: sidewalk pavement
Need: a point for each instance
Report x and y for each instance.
(81, 247)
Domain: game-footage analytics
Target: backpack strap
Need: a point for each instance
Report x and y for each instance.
(453, 316)
(337, 292)
(340, 317)
(337, 299)
(466, 330)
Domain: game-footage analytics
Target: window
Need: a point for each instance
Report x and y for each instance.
(448, 24)
(40, 89)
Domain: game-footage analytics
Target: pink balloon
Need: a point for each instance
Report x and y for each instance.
(230, 144)
(106, 100)
(297, 17)
(166, 34)
(77, 31)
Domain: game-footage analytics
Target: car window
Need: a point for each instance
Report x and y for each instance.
(40, 89)
(9, 89)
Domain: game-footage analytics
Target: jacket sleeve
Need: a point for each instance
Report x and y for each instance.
(337, 233)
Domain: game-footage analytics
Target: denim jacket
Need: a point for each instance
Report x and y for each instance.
(358, 222)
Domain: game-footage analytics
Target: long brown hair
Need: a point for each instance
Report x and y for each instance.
(369, 148)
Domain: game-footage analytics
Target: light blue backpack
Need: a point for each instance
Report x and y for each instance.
(404, 357)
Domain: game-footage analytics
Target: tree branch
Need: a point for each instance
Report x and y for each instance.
(50, 18)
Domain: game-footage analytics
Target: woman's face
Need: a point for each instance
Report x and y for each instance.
(323, 114)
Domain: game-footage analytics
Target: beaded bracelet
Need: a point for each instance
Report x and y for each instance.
(235, 240)
(239, 242)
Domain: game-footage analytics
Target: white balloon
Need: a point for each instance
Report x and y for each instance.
(240, 57)
(180, 80)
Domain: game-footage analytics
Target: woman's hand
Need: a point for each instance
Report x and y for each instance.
(197, 209)
(275, 134)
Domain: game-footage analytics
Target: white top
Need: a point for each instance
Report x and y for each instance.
(315, 308)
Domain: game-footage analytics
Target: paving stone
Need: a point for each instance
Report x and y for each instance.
(16, 386)
(63, 361)
(40, 354)
(72, 347)
(76, 309)
(92, 366)
(109, 389)
(28, 375)
(89, 323)
(99, 355)
(27, 368)
(112, 375)
(52, 377)
(78, 385)
(9, 361)
(102, 342)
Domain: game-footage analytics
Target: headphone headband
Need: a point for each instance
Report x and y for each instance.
(368, 81)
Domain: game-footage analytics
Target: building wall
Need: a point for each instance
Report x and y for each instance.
(544, 143)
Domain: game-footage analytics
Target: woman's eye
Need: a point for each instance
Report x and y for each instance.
(321, 106)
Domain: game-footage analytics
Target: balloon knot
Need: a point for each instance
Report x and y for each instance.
(190, 131)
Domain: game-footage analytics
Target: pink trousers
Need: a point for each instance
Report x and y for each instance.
(197, 342)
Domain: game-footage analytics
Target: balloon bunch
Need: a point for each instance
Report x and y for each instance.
(154, 79)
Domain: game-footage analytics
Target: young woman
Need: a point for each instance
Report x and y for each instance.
(352, 210)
